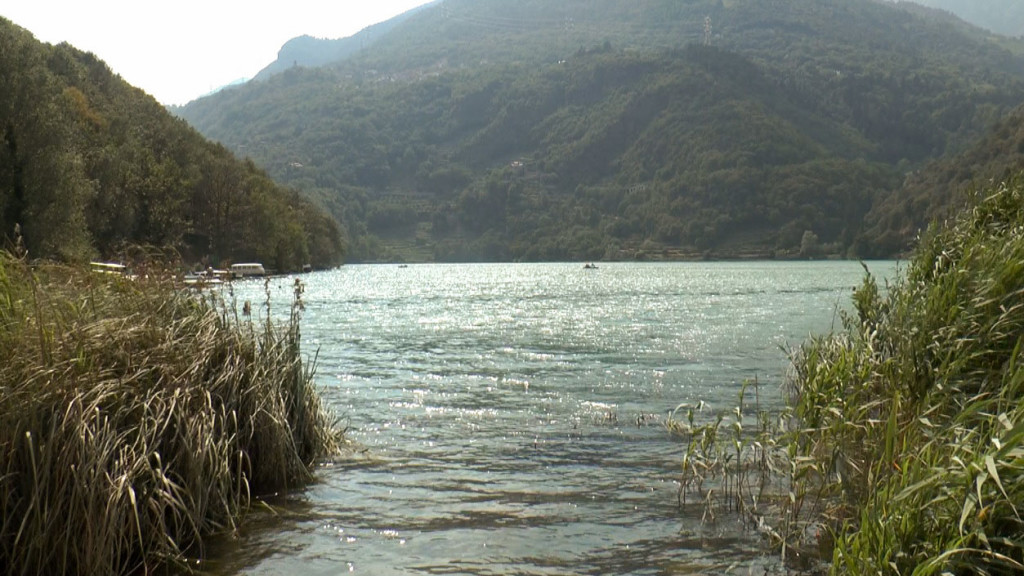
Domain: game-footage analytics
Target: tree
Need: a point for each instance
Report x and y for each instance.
(809, 246)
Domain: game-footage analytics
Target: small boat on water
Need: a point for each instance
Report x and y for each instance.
(208, 277)
(248, 269)
(589, 266)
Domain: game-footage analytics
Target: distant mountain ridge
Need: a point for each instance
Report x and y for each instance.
(1001, 16)
(313, 52)
(584, 129)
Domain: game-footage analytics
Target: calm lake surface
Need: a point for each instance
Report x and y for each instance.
(513, 414)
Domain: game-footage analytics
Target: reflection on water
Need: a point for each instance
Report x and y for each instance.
(512, 415)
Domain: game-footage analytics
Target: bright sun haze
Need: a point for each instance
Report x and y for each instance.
(178, 51)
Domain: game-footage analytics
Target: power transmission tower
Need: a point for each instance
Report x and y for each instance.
(707, 30)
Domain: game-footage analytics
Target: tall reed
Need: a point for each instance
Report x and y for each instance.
(136, 418)
(911, 421)
(731, 462)
(902, 450)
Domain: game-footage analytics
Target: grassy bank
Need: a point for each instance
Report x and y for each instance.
(910, 422)
(135, 419)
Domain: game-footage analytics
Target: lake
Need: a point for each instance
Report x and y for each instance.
(512, 415)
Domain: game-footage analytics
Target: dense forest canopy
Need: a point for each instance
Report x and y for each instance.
(942, 187)
(90, 165)
(539, 130)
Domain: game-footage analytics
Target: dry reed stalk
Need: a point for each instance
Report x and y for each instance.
(135, 419)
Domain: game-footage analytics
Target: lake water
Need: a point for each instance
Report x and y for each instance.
(513, 414)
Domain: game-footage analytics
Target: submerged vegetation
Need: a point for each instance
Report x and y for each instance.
(135, 419)
(903, 449)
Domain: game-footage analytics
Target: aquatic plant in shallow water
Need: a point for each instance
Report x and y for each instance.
(731, 462)
(135, 419)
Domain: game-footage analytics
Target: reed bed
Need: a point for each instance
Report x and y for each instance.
(136, 418)
(902, 448)
(910, 422)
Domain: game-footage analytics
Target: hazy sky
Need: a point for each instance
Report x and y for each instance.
(179, 50)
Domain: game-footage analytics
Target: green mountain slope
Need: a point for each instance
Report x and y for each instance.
(309, 51)
(90, 165)
(935, 192)
(1002, 16)
(543, 130)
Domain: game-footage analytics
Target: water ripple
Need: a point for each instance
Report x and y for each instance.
(512, 415)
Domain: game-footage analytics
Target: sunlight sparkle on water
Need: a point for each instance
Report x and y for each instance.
(513, 415)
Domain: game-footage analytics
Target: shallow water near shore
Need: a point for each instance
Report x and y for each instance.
(512, 415)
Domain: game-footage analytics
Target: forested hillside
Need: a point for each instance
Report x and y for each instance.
(309, 51)
(90, 165)
(936, 191)
(1003, 16)
(546, 130)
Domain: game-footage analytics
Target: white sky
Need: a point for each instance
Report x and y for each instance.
(180, 50)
